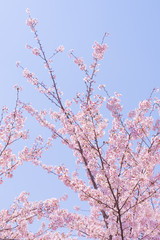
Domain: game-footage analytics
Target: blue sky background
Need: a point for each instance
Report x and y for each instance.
(131, 66)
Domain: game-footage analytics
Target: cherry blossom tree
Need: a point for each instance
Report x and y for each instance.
(119, 156)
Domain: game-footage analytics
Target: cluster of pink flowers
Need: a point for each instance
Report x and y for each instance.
(114, 106)
(80, 63)
(145, 105)
(11, 130)
(99, 50)
(32, 22)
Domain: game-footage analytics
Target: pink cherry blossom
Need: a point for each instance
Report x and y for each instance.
(36, 51)
(17, 63)
(60, 48)
(28, 46)
(68, 103)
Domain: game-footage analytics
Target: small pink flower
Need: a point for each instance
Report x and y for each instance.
(117, 94)
(28, 46)
(60, 48)
(50, 61)
(101, 86)
(70, 53)
(157, 90)
(36, 51)
(68, 103)
(47, 65)
(17, 63)
(76, 208)
(27, 11)
(5, 109)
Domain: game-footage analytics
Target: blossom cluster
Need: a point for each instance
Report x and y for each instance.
(32, 22)
(80, 63)
(99, 50)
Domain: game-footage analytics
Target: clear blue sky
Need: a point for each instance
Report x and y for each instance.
(131, 65)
